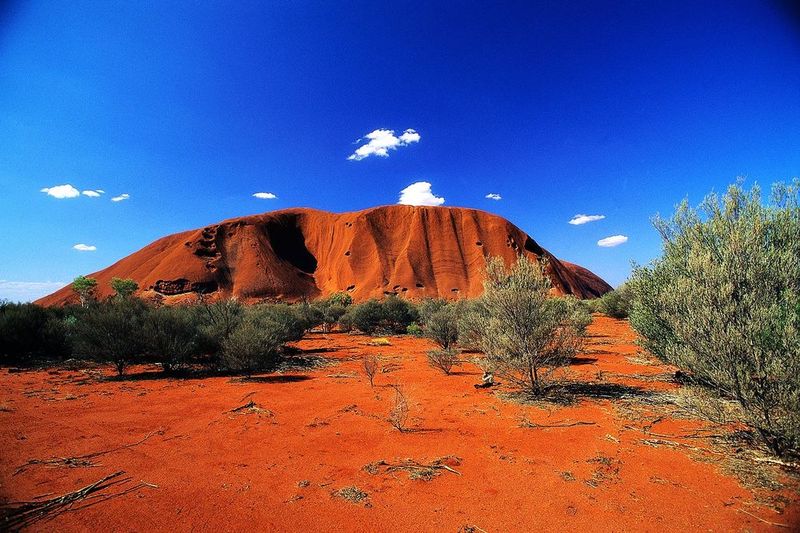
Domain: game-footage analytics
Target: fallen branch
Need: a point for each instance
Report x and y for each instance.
(82, 461)
(415, 469)
(525, 423)
(18, 515)
(251, 407)
(776, 524)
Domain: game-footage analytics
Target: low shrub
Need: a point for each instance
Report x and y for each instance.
(111, 332)
(442, 326)
(172, 336)
(29, 331)
(443, 360)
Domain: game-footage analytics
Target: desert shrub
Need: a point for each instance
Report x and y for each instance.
(111, 332)
(443, 360)
(171, 336)
(468, 328)
(579, 315)
(723, 303)
(442, 326)
(288, 318)
(428, 307)
(124, 288)
(415, 329)
(311, 315)
(29, 331)
(398, 313)
(366, 317)
(616, 304)
(398, 414)
(525, 335)
(216, 321)
(256, 342)
(371, 365)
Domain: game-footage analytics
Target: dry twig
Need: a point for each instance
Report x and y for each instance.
(18, 515)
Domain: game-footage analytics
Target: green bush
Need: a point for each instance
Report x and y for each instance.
(415, 330)
(524, 333)
(723, 303)
(172, 336)
(366, 317)
(428, 307)
(111, 332)
(398, 313)
(216, 321)
(442, 326)
(256, 342)
(29, 331)
(616, 304)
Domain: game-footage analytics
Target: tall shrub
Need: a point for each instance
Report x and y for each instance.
(723, 303)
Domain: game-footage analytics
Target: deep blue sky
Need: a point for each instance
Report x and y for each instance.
(612, 108)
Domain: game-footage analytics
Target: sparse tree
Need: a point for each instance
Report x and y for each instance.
(398, 415)
(524, 333)
(84, 287)
(112, 332)
(124, 288)
(371, 365)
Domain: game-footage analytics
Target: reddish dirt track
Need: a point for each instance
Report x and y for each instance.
(218, 470)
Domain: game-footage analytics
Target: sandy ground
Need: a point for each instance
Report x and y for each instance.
(279, 467)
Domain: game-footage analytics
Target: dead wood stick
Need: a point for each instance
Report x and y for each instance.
(21, 514)
(82, 460)
(776, 524)
(529, 424)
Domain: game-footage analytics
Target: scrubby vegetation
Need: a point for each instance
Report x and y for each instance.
(616, 304)
(525, 335)
(723, 304)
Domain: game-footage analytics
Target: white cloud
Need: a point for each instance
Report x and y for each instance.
(62, 191)
(85, 247)
(265, 195)
(614, 240)
(381, 141)
(92, 193)
(494, 196)
(577, 220)
(419, 193)
(123, 196)
(27, 291)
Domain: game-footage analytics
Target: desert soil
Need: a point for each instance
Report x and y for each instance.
(620, 458)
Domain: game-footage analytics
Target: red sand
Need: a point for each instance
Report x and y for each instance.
(223, 471)
(306, 253)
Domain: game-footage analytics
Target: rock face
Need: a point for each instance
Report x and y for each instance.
(305, 253)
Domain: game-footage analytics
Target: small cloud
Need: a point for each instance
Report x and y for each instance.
(419, 193)
(85, 248)
(381, 141)
(577, 220)
(614, 240)
(265, 195)
(494, 196)
(27, 291)
(123, 196)
(61, 191)
(92, 193)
